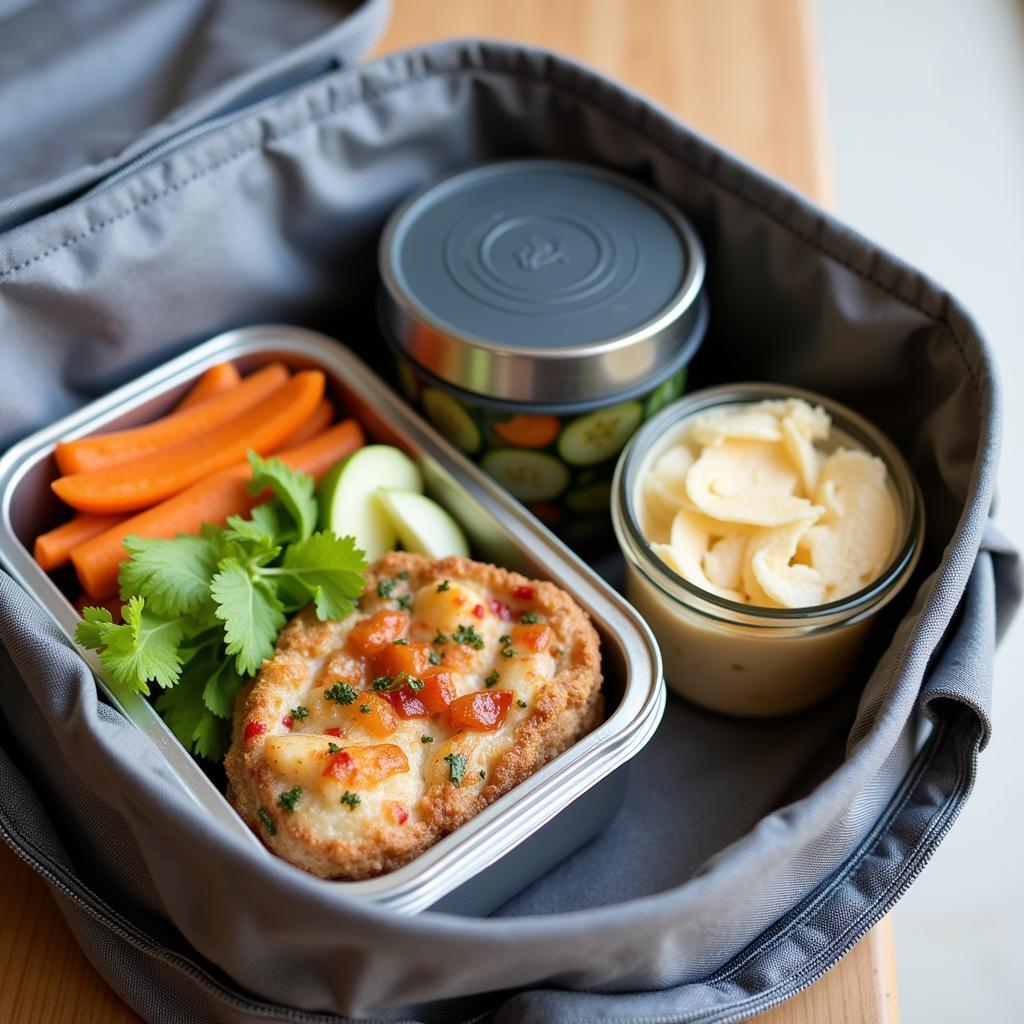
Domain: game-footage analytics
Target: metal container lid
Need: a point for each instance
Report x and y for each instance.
(542, 281)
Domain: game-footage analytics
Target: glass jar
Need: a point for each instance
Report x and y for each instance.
(742, 659)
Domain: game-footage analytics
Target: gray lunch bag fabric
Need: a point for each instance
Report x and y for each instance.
(749, 856)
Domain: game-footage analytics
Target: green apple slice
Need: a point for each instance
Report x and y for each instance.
(422, 525)
(348, 496)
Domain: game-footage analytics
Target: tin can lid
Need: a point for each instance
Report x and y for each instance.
(541, 281)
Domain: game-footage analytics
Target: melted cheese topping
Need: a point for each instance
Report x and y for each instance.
(323, 728)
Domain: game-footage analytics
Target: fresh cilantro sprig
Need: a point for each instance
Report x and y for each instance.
(203, 612)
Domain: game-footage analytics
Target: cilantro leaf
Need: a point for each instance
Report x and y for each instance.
(222, 681)
(142, 649)
(293, 489)
(172, 575)
(89, 633)
(186, 715)
(251, 613)
(325, 569)
(263, 526)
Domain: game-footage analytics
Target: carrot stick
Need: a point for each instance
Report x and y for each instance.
(53, 548)
(209, 501)
(215, 381)
(323, 416)
(103, 451)
(142, 482)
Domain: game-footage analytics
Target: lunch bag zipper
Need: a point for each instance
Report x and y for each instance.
(940, 826)
(100, 912)
(912, 867)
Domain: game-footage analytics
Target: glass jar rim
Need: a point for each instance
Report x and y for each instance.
(637, 549)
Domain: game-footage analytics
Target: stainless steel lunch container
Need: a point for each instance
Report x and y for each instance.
(525, 832)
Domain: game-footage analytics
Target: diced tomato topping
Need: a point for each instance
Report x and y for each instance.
(342, 761)
(287, 721)
(333, 731)
(379, 721)
(501, 610)
(366, 764)
(478, 610)
(534, 636)
(485, 711)
(376, 632)
(438, 691)
(523, 593)
(407, 704)
(253, 728)
(394, 659)
(399, 815)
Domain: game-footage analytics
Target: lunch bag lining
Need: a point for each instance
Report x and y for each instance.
(711, 173)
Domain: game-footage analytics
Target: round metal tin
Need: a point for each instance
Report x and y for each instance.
(542, 281)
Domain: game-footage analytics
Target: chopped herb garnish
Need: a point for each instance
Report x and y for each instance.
(434, 658)
(426, 739)
(333, 748)
(387, 684)
(483, 774)
(529, 617)
(456, 767)
(442, 587)
(469, 635)
(364, 708)
(559, 652)
(268, 822)
(508, 652)
(405, 602)
(492, 679)
(290, 799)
(401, 641)
(385, 587)
(300, 712)
(404, 574)
(341, 692)
(440, 638)
(521, 703)
(351, 799)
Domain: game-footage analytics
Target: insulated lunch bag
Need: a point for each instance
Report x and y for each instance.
(240, 172)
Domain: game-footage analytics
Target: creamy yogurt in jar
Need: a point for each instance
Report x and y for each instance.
(763, 527)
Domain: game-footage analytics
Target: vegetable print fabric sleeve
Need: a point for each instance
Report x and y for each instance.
(362, 742)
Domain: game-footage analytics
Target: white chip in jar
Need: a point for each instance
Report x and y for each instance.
(690, 542)
(723, 563)
(745, 422)
(801, 450)
(770, 555)
(854, 539)
(749, 482)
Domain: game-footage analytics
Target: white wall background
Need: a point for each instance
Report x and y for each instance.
(924, 102)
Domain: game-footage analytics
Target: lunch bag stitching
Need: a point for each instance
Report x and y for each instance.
(906, 865)
(802, 922)
(415, 78)
(104, 915)
(829, 887)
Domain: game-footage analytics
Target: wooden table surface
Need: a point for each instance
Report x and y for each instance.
(741, 71)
